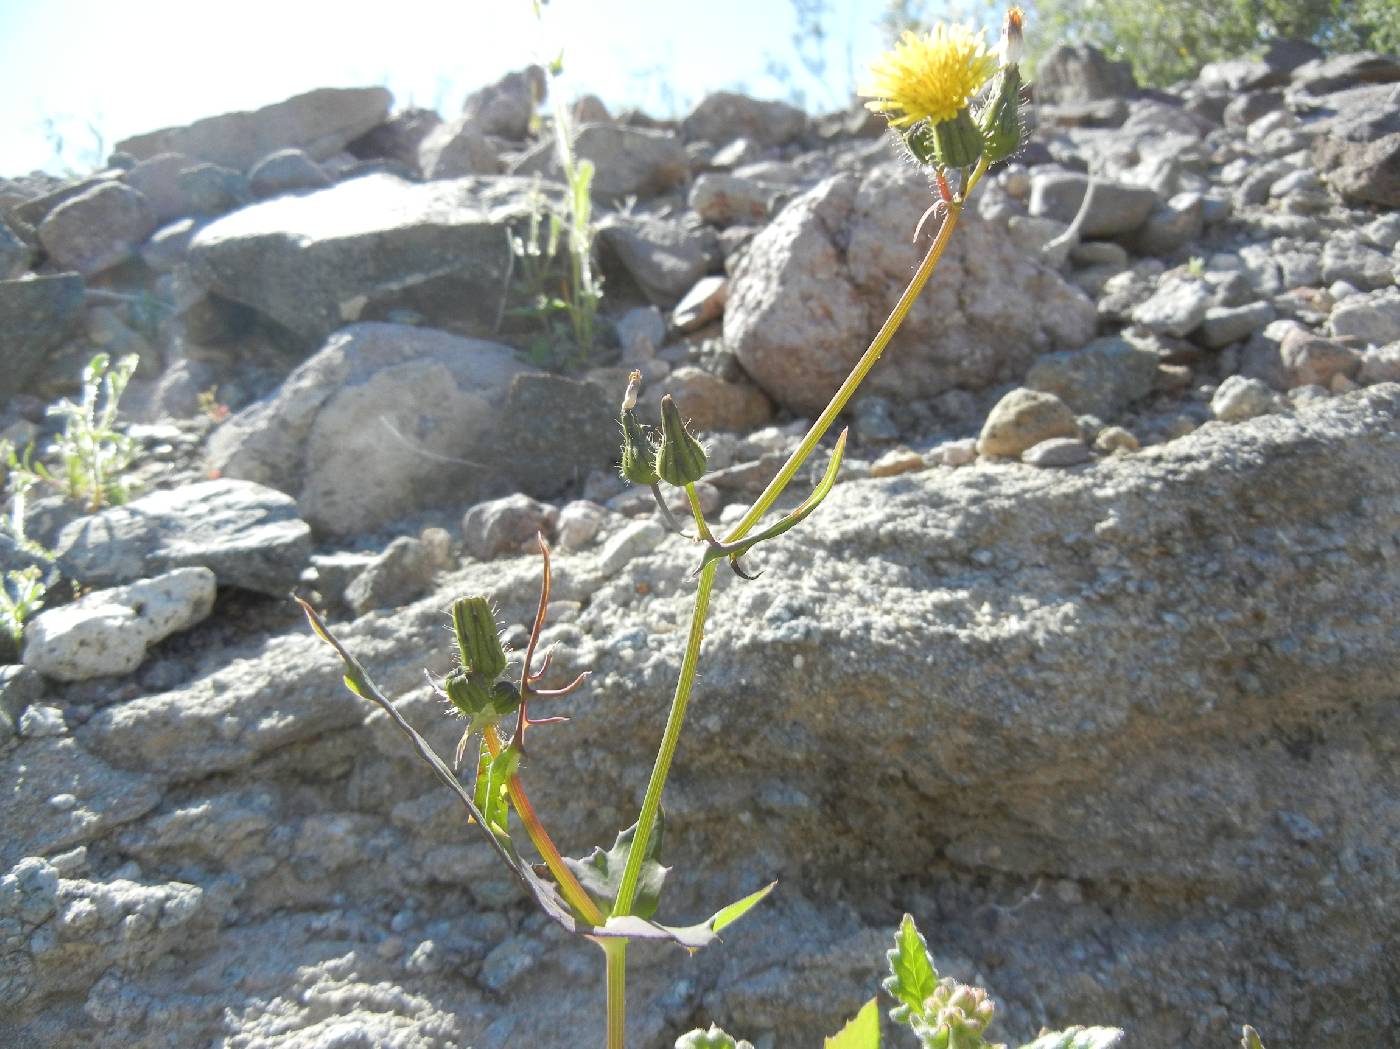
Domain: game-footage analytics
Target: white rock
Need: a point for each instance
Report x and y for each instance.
(1239, 398)
(636, 539)
(108, 631)
(579, 522)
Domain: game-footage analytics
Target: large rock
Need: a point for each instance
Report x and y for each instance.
(1125, 700)
(98, 229)
(36, 317)
(455, 149)
(506, 107)
(1114, 209)
(627, 161)
(1357, 144)
(725, 116)
(384, 420)
(247, 534)
(15, 255)
(315, 262)
(816, 283)
(1081, 73)
(1102, 379)
(664, 257)
(320, 122)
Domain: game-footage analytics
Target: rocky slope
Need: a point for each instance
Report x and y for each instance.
(1089, 662)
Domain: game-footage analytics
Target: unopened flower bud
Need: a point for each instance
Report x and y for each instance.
(681, 460)
(638, 455)
(634, 385)
(478, 639)
(1012, 41)
(955, 143)
(1001, 119)
(469, 693)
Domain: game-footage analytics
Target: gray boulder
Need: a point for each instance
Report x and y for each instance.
(98, 229)
(724, 116)
(1081, 73)
(1357, 144)
(506, 107)
(384, 420)
(627, 161)
(1114, 209)
(664, 257)
(1101, 379)
(314, 262)
(456, 148)
(1055, 675)
(247, 534)
(320, 122)
(286, 171)
(36, 317)
(816, 283)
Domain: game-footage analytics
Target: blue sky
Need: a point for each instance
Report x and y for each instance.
(127, 67)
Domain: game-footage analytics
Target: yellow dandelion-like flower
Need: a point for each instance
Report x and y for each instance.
(929, 77)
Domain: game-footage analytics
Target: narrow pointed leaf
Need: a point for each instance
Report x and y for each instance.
(736, 910)
(1077, 1038)
(912, 975)
(863, 1032)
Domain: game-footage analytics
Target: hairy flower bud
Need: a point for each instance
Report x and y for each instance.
(681, 460)
(478, 639)
(955, 143)
(1001, 119)
(638, 455)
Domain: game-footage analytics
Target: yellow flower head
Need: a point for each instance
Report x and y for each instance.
(930, 77)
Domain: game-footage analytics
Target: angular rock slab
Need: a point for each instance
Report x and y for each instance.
(818, 281)
(36, 315)
(384, 420)
(313, 263)
(319, 122)
(247, 534)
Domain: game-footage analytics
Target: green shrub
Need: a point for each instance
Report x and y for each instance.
(1167, 42)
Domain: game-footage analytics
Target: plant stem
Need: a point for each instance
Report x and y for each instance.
(670, 737)
(651, 803)
(856, 377)
(615, 948)
(568, 885)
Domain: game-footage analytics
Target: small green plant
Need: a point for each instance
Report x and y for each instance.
(1170, 42)
(554, 252)
(20, 597)
(954, 107)
(1196, 267)
(91, 454)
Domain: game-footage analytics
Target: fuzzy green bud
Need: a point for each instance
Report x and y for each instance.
(469, 693)
(1001, 119)
(478, 639)
(955, 143)
(638, 455)
(681, 460)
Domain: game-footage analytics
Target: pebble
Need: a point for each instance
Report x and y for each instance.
(897, 461)
(1239, 398)
(1115, 439)
(1057, 451)
(636, 539)
(1022, 419)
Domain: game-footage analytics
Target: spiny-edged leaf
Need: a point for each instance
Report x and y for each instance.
(1250, 1039)
(601, 872)
(863, 1032)
(912, 975)
(736, 910)
(1077, 1038)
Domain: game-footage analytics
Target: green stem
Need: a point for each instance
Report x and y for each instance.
(615, 949)
(670, 737)
(857, 376)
